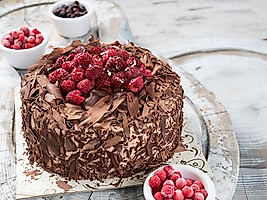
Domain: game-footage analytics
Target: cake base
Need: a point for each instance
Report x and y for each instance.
(34, 181)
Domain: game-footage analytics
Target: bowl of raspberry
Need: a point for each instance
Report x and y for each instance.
(178, 182)
(72, 18)
(23, 47)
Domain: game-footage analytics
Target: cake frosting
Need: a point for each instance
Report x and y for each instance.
(111, 133)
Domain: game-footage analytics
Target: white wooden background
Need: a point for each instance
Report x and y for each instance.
(161, 24)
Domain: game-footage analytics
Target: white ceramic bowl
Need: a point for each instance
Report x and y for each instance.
(187, 172)
(72, 27)
(23, 58)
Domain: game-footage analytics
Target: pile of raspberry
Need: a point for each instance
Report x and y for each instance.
(168, 184)
(110, 69)
(23, 38)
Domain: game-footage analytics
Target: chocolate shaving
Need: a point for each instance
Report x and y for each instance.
(163, 125)
(150, 89)
(49, 98)
(112, 141)
(125, 125)
(54, 90)
(132, 104)
(43, 80)
(73, 111)
(60, 120)
(113, 160)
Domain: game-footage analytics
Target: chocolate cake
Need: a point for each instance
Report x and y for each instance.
(96, 111)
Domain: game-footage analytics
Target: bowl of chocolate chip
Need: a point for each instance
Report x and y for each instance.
(72, 18)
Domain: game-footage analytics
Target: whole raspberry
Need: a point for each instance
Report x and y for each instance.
(161, 174)
(133, 72)
(178, 195)
(70, 57)
(60, 60)
(180, 183)
(155, 190)
(178, 173)
(26, 30)
(97, 60)
(154, 181)
(93, 71)
(6, 43)
(174, 177)
(198, 196)
(81, 49)
(16, 46)
(69, 65)
(187, 191)
(118, 81)
(83, 59)
(199, 183)
(195, 187)
(75, 97)
(204, 192)
(104, 82)
(67, 85)
(168, 182)
(77, 74)
(169, 170)
(188, 182)
(136, 84)
(85, 86)
(167, 191)
(115, 63)
(124, 55)
(95, 50)
(31, 39)
(145, 72)
(158, 196)
(10, 38)
(107, 54)
(52, 77)
(36, 31)
(14, 34)
(62, 75)
(133, 62)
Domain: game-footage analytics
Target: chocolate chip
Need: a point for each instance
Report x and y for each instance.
(72, 10)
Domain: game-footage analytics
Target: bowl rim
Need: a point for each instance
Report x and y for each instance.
(147, 189)
(88, 6)
(44, 42)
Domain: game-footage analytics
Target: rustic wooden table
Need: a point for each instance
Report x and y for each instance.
(221, 44)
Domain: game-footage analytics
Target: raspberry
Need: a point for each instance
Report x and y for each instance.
(31, 39)
(75, 97)
(174, 177)
(158, 196)
(93, 71)
(178, 195)
(169, 170)
(97, 60)
(133, 62)
(115, 64)
(28, 45)
(124, 55)
(62, 75)
(52, 77)
(178, 173)
(198, 196)
(145, 72)
(85, 86)
(14, 34)
(10, 38)
(16, 46)
(6, 43)
(187, 192)
(70, 57)
(95, 50)
(104, 82)
(195, 187)
(133, 72)
(81, 49)
(68, 65)
(107, 54)
(35, 31)
(17, 41)
(21, 37)
(161, 174)
(38, 41)
(188, 182)
(67, 85)
(168, 182)
(199, 184)
(167, 191)
(25, 30)
(136, 84)
(83, 59)
(154, 181)
(39, 37)
(60, 60)
(118, 81)
(155, 190)
(77, 74)
(204, 192)
(180, 183)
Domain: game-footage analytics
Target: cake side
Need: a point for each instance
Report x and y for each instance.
(113, 134)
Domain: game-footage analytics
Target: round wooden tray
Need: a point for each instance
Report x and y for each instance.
(208, 118)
